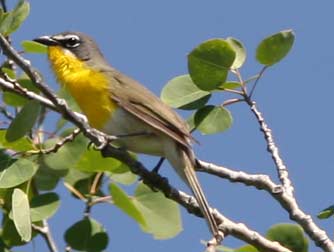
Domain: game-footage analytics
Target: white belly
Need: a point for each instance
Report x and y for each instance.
(123, 123)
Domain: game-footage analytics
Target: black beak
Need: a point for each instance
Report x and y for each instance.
(46, 40)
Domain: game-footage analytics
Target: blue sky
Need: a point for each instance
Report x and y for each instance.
(149, 40)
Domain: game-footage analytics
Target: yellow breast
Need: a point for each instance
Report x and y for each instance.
(90, 88)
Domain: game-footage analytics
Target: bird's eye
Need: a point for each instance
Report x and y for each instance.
(72, 42)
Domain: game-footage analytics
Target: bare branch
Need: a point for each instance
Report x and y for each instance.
(286, 200)
(273, 150)
(46, 233)
(155, 181)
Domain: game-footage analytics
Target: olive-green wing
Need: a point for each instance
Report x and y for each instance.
(142, 103)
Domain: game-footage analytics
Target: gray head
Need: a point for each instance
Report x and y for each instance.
(78, 43)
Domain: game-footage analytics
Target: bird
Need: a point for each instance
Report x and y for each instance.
(120, 106)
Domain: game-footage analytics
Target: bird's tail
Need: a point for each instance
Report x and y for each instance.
(184, 165)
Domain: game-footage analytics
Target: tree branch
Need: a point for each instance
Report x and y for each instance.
(45, 232)
(153, 180)
(286, 200)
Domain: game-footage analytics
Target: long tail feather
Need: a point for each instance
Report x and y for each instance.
(194, 185)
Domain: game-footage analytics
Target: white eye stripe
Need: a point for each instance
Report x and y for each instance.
(71, 36)
(66, 37)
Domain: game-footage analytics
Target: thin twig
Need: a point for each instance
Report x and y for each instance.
(58, 145)
(46, 234)
(104, 199)
(257, 80)
(75, 191)
(232, 91)
(232, 101)
(6, 113)
(97, 179)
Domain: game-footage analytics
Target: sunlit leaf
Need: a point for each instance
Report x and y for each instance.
(326, 213)
(230, 85)
(22, 144)
(162, 215)
(33, 47)
(21, 214)
(12, 20)
(17, 173)
(92, 161)
(275, 47)
(209, 63)
(240, 52)
(181, 92)
(126, 204)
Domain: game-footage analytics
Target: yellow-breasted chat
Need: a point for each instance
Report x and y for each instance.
(118, 105)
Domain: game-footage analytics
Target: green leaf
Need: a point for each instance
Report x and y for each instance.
(21, 214)
(288, 235)
(125, 178)
(246, 248)
(230, 85)
(67, 156)
(208, 64)
(92, 161)
(17, 173)
(74, 175)
(181, 92)
(126, 204)
(10, 72)
(87, 235)
(12, 20)
(3, 246)
(162, 215)
(44, 206)
(13, 99)
(9, 233)
(46, 178)
(23, 122)
(275, 47)
(25, 82)
(240, 51)
(33, 47)
(326, 213)
(22, 144)
(191, 122)
(211, 119)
